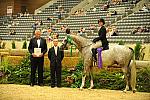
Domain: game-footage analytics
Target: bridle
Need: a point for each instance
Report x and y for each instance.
(81, 47)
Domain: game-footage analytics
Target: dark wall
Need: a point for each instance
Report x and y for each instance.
(4, 4)
(32, 6)
(21, 5)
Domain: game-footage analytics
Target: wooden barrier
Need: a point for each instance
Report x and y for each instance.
(14, 56)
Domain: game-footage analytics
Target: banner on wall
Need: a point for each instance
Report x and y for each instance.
(9, 10)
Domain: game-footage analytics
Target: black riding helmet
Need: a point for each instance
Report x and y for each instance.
(101, 20)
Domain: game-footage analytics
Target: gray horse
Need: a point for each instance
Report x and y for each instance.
(118, 54)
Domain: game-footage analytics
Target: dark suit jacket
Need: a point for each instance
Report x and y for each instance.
(102, 37)
(55, 59)
(33, 44)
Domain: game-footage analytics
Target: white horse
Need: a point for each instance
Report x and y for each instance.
(118, 54)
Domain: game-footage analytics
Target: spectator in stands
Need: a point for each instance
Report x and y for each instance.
(34, 26)
(138, 29)
(82, 32)
(108, 30)
(49, 34)
(146, 29)
(52, 28)
(25, 14)
(135, 30)
(115, 2)
(105, 6)
(18, 14)
(109, 2)
(124, 0)
(41, 23)
(111, 31)
(102, 37)
(115, 31)
(111, 13)
(50, 19)
(134, 1)
(55, 36)
(14, 23)
(92, 28)
(9, 25)
(82, 12)
(79, 12)
(68, 31)
(44, 30)
(114, 12)
(76, 12)
(94, 9)
(145, 8)
(12, 32)
(49, 30)
(141, 29)
(61, 8)
(21, 15)
(65, 39)
(63, 27)
(28, 14)
(59, 16)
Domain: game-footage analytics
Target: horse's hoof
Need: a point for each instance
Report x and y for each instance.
(124, 91)
(90, 88)
(80, 89)
(134, 91)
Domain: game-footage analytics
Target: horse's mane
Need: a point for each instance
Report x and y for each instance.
(80, 38)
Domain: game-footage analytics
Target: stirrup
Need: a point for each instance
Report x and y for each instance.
(94, 61)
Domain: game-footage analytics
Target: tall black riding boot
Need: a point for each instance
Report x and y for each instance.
(94, 51)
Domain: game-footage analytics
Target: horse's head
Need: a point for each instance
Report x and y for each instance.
(79, 41)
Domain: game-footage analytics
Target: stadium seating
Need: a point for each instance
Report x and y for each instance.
(125, 21)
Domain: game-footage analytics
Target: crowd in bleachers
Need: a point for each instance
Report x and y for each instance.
(145, 8)
(140, 30)
(51, 20)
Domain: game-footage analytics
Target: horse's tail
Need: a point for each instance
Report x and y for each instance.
(133, 71)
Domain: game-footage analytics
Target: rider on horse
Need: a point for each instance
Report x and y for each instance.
(102, 37)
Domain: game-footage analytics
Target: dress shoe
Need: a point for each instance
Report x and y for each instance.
(32, 84)
(52, 86)
(41, 84)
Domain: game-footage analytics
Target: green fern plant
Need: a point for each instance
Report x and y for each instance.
(24, 45)
(121, 42)
(13, 45)
(137, 50)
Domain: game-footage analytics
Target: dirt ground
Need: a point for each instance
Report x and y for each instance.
(25, 92)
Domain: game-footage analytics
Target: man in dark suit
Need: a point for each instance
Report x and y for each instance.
(55, 55)
(102, 37)
(37, 48)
